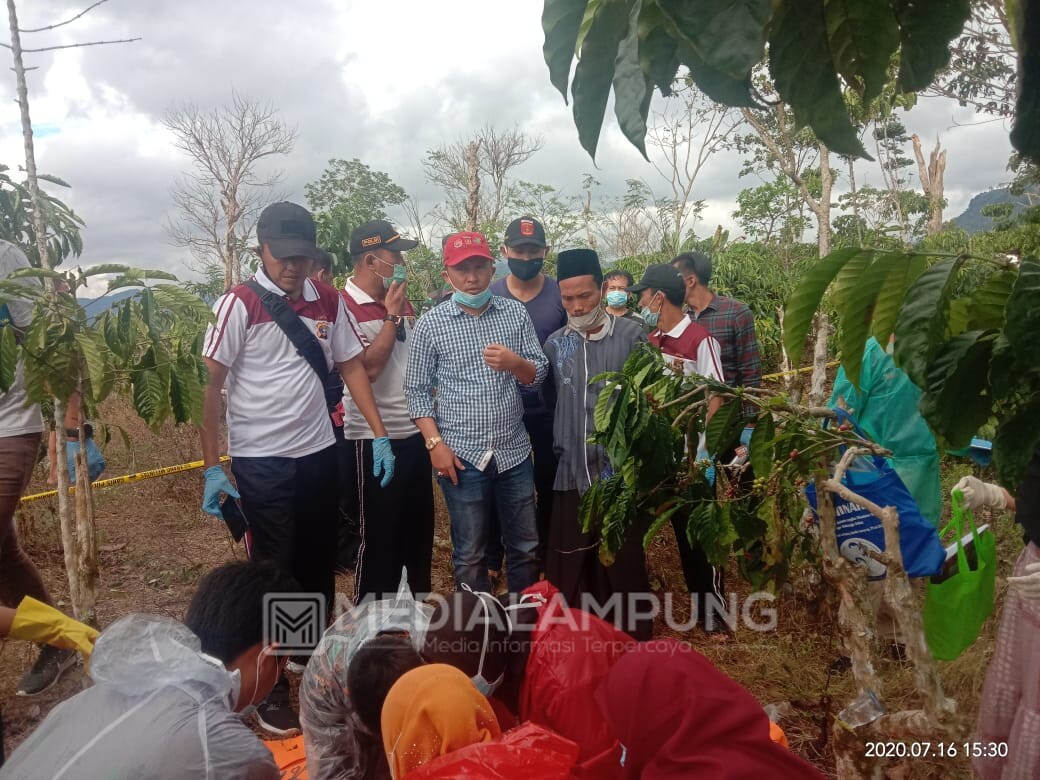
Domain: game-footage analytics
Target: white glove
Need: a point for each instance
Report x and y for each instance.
(1028, 585)
(979, 494)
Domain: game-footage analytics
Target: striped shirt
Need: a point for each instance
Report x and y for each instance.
(275, 400)
(478, 410)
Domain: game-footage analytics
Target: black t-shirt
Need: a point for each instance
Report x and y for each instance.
(1027, 500)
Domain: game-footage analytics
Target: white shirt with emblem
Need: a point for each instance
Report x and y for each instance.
(275, 400)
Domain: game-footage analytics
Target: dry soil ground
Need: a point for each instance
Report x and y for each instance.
(156, 543)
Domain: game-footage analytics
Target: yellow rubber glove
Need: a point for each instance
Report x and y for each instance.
(37, 622)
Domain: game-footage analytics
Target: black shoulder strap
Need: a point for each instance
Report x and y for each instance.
(306, 343)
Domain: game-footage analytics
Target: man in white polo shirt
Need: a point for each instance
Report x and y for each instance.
(396, 525)
(279, 433)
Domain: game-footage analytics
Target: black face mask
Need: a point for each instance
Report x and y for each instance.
(525, 269)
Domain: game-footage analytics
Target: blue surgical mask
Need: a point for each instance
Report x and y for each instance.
(617, 298)
(474, 301)
(650, 317)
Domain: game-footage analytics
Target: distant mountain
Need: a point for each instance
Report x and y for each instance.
(95, 306)
(973, 220)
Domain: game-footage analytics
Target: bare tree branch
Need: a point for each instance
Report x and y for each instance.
(73, 45)
(84, 12)
(218, 203)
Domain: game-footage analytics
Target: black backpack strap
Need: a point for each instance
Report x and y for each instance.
(306, 343)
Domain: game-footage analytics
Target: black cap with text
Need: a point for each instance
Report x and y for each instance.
(379, 234)
(525, 230)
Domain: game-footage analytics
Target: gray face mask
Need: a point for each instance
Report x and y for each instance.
(584, 323)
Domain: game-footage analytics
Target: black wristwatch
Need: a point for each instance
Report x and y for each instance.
(397, 319)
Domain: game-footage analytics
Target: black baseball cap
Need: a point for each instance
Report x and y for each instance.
(660, 276)
(379, 234)
(525, 230)
(288, 231)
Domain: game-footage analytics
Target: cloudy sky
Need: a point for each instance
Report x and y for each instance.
(382, 81)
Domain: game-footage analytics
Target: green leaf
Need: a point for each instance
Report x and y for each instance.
(561, 20)
(595, 70)
(890, 296)
(149, 395)
(8, 357)
(1017, 438)
(760, 448)
(185, 393)
(1023, 314)
(632, 89)
(863, 36)
(803, 302)
(1005, 375)
(957, 318)
(926, 29)
(728, 35)
(659, 522)
(723, 429)
(94, 349)
(658, 50)
(717, 85)
(803, 70)
(957, 403)
(987, 303)
(922, 318)
(856, 304)
(602, 410)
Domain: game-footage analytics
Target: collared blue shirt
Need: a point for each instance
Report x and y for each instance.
(478, 410)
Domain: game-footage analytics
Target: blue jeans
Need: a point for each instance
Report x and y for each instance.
(469, 505)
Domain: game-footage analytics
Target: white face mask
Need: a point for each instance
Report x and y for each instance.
(485, 687)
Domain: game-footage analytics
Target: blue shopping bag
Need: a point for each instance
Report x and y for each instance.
(858, 530)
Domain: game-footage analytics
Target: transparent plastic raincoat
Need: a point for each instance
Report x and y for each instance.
(338, 746)
(159, 708)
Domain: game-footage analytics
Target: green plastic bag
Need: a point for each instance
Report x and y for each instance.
(956, 607)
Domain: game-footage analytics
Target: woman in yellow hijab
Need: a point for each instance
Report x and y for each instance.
(431, 711)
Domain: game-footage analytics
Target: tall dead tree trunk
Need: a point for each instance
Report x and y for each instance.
(472, 185)
(822, 209)
(932, 182)
(780, 143)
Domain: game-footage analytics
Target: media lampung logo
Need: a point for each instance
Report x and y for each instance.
(294, 621)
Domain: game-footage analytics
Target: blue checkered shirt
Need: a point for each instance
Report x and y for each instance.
(478, 410)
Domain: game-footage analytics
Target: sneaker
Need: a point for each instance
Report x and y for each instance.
(275, 714)
(48, 669)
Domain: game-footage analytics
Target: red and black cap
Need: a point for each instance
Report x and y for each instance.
(525, 230)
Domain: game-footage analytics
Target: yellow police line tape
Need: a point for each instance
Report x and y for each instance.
(140, 475)
(805, 370)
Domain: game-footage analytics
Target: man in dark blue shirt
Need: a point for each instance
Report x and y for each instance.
(524, 248)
